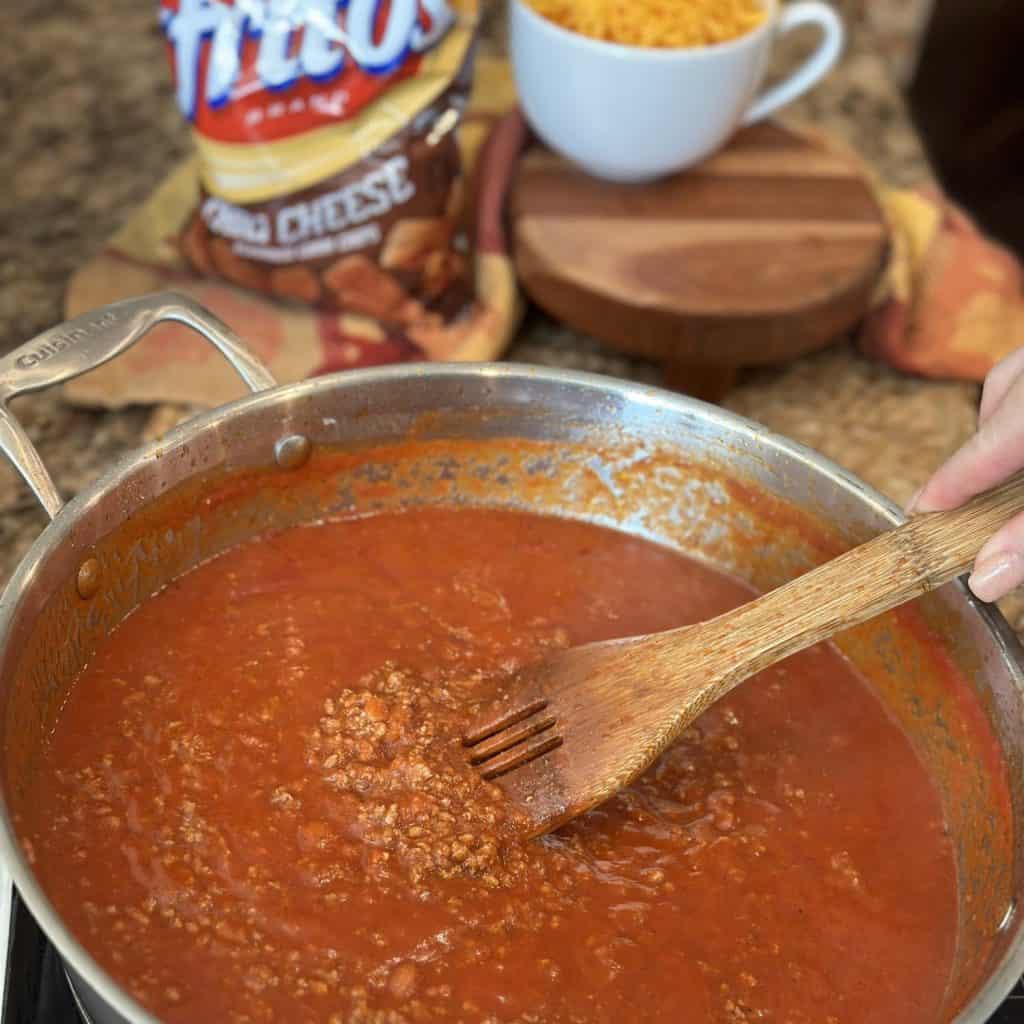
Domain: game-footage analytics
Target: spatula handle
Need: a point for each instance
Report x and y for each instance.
(893, 568)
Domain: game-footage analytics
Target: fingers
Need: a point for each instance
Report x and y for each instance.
(999, 567)
(998, 382)
(993, 455)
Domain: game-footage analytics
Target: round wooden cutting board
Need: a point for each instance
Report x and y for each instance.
(770, 249)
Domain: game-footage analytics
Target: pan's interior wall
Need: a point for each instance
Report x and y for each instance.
(684, 499)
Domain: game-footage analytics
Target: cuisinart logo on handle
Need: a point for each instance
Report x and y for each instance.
(58, 343)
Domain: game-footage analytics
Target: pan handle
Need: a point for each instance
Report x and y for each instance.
(89, 341)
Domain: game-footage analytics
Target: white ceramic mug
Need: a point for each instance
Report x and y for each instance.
(629, 113)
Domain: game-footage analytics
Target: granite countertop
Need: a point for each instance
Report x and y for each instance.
(91, 128)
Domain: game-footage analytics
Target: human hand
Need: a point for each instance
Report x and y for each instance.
(991, 456)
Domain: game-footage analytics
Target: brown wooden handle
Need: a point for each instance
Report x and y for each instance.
(893, 568)
(945, 544)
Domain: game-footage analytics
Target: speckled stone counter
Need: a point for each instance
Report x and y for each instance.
(91, 127)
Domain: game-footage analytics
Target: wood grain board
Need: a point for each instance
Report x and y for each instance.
(770, 249)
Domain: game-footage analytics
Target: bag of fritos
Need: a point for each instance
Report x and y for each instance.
(329, 167)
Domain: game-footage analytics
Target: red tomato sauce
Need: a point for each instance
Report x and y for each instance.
(255, 807)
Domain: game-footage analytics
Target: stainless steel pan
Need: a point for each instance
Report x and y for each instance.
(676, 470)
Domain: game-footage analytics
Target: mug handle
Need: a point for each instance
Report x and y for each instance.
(807, 12)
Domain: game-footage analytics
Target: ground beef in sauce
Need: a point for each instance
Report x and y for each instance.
(255, 806)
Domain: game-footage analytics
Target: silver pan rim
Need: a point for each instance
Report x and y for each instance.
(986, 1000)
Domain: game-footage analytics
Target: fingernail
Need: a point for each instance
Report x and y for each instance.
(996, 576)
(911, 505)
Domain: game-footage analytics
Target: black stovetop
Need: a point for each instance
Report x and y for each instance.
(37, 990)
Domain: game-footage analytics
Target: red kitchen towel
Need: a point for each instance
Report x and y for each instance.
(952, 302)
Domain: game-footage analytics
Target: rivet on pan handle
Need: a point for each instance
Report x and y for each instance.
(89, 341)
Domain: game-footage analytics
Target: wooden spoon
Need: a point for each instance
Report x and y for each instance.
(580, 725)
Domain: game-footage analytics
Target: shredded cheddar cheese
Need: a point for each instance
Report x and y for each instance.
(665, 24)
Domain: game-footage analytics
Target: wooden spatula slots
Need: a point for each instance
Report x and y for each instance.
(582, 724)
